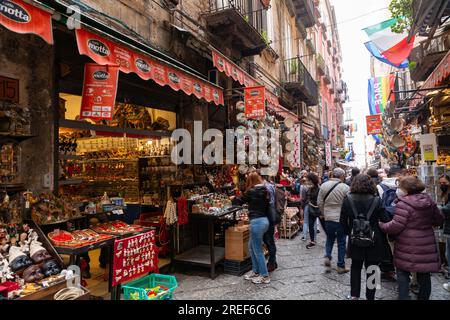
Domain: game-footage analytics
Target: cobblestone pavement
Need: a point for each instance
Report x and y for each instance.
(300, 276)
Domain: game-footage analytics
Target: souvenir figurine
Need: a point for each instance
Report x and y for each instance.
(50, 268)
(38, 253)
(32, 274)
(18, 260)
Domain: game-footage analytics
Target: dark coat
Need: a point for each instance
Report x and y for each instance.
(258, 201)
(415, 247)
(381, 250)
(446, 212)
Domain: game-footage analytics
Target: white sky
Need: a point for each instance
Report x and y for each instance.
(352, 17)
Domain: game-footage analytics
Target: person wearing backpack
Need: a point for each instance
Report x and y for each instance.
(368, 246)
(330, 200)
(312, 210)
(415, 247)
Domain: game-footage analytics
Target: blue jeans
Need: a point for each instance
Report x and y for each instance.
(447, 250)
(335, 230)
(306, 223)
(258, 227)
(423, 279)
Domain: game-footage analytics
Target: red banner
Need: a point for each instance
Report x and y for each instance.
(255, 105)
(373, 124)
(134, 257)
(21, 17)
(106, 52)
(99, 92)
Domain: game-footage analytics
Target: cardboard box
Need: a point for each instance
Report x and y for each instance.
(236, 243)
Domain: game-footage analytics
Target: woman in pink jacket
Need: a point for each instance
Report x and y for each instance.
(415, 247)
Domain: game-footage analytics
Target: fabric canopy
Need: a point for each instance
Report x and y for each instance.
(21, 17)
(106, 52)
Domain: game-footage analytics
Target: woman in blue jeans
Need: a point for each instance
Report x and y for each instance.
(256, 195)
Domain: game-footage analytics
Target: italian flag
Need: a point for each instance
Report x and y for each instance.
(393, 46)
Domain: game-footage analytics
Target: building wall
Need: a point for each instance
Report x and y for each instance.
(30, 60)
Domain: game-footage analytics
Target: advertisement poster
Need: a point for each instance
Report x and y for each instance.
(373, 124)
(99, 92)
(21, 17)
(255, 102)
(134, 257)
(328, 153)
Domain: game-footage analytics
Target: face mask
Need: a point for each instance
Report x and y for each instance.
(444, 188)
(400, 193)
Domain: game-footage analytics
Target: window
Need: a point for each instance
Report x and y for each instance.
(348, 115)
(270, 28)
(288, 41)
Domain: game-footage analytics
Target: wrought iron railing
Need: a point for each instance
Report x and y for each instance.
(253, 17)
(296, 72)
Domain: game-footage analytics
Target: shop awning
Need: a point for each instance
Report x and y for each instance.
(22, 17)
(437, 78)
(106, 52)
(108, 46)
(225, 65)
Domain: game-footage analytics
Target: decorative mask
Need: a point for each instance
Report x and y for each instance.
(41, 256)
(32, 274)
(50, 268)
(20, 263)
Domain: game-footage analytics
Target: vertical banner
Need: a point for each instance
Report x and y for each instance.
(21, 17)
(255, 102)
(328, 153)
(373, 124)
(379, 91)
(99, 92)
(298, 146)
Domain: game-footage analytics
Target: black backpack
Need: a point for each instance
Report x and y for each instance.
(362, 233)
(388, 200)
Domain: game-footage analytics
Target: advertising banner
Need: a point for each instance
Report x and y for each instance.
(106, 52)
(21, 17)
(380, 93)
(373, 124)
(255, 102)
(99, 92)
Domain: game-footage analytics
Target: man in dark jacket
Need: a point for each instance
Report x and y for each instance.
(355, 172)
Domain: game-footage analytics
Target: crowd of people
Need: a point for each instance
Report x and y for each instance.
(383, 221)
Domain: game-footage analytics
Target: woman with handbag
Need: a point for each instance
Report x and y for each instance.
(312, 210)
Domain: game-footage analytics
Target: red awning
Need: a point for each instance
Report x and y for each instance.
(21, 17)
(106, 52)
(225, 65)
(436, 78)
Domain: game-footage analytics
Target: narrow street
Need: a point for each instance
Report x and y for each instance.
(300, 276)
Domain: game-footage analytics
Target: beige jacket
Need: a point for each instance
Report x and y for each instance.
(332, 207)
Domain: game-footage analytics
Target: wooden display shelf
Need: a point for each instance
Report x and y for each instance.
(12, 187)
(70, 182)
(14, 137)
(73, 124)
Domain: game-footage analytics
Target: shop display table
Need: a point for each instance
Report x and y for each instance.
(208, 256)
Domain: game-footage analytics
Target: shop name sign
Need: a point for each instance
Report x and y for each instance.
(21, 17)
(373, 124)
(263, 147)
(98, 47)
(14, 11)
(106, 52)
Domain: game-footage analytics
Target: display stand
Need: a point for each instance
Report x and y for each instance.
(289, 226)
(207, 256)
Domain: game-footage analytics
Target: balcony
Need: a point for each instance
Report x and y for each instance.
(321, 65)
(340, 86)
(332, 87)
(236, 20)
(304, 10)
(425, 57)
(429, 14)
(300, 83)
(310, 44)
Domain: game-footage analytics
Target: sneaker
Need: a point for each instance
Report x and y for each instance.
(352, 298)
(342, 270)
(327, 264)
(272, 267)
(261, 280)
(447, 286)
(251, 275)
(303, 238)
(310, 245)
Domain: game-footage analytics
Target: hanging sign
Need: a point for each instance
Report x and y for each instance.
(106, 52)
(255, 102)
(99, 92)
(134, 257)
(373, 124)
(9, 89)
(380, 93)
(21, 17)
(428, 144)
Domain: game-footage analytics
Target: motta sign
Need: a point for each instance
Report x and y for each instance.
(99, 48)
(373, 124)
(105, 52)
(21, 17)
(99, 92)
(255, 102)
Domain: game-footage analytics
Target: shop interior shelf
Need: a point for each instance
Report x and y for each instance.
(73, 124)
(201, 255)
(12, 187)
